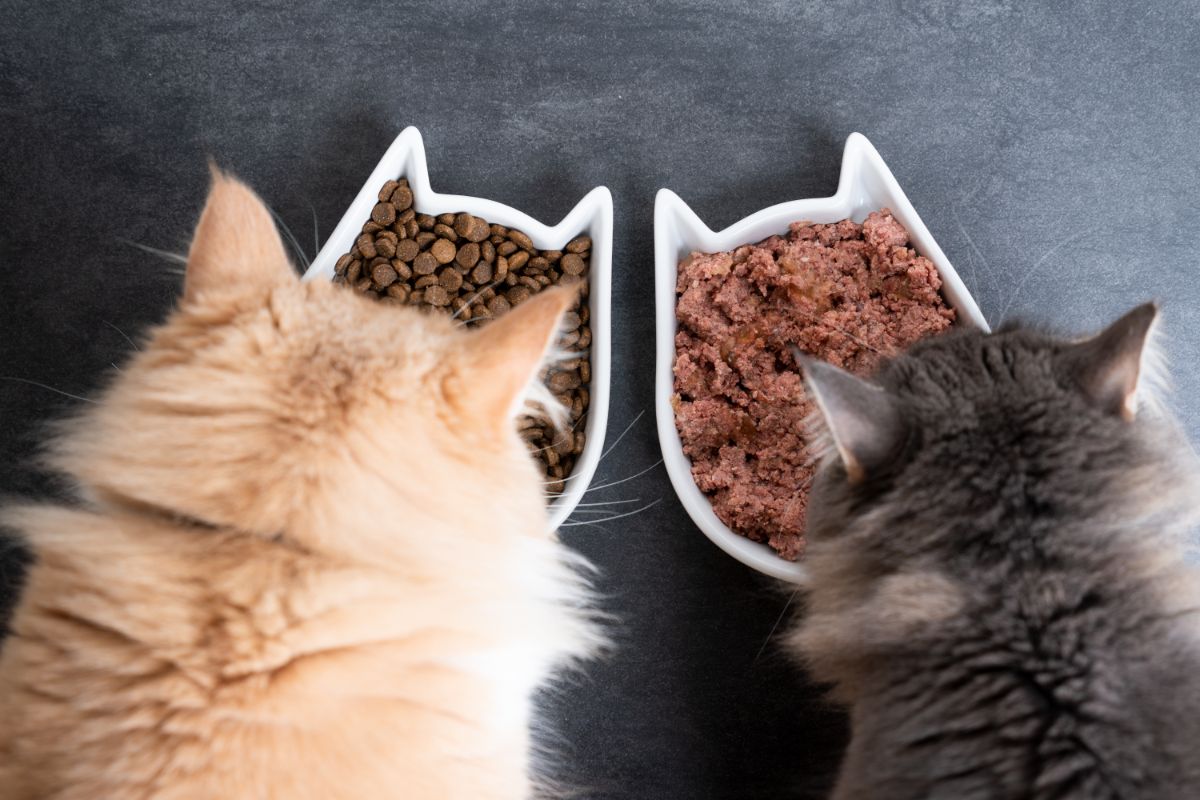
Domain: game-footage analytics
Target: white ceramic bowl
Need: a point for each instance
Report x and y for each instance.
(866, 185)
(593, 215)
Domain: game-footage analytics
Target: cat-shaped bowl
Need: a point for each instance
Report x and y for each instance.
(593, 215)
(865, 185)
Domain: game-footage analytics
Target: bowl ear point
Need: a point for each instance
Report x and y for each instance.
(861, 167)
(594, 210)
(413, 163)
(675, 218)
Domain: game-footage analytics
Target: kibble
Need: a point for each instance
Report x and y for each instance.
(451, 280)
(436, 295)
(443, 250)
(385, 247)
(468, 255)
(407, 249)
(386, 192)
(521, 240)
(425, 264)
(383, 213)
(479, 231)
(518, 260)
(482, 273)
(497, 304)
(476, 270)
(402, 197)
(572, 264)
(464, 224)
(366, 246)
(383, 275)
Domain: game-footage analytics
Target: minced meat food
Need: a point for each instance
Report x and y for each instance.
(844, 292)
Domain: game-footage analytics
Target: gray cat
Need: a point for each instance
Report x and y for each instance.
(999, 588)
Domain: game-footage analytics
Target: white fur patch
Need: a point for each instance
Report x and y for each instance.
(560, 632)
(1154, 376)
(818, 438)
(538, 400)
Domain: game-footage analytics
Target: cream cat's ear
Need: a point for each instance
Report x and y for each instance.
(1111, 365)
(504, 358)
(861, 418)
(236, 246)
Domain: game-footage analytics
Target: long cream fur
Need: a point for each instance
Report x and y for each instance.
(310, 559)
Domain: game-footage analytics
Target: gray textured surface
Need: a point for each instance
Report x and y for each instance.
(1053, 153)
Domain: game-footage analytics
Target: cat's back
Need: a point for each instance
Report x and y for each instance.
(149, 660)
(1062, 684)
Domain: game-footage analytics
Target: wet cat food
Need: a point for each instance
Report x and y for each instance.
(844, 292)
(475, 271)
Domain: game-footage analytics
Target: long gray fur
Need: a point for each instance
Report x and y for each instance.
(1005, 604)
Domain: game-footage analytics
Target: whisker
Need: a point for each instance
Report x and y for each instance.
(560, 439)
(624, 480)
(582, 524)
(132, 343)
(475, 297)
(316, 238)
(291, 237)
(564, 480)
(48, 388)
(978, 253)
(774, 627)
(464, 323)
(846, 333)
(609, 502)
(617, 441)
(169, 256)
(1029, 273)
(646, 507)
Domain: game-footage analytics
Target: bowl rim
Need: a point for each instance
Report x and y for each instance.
(865, 184)
(593, 215)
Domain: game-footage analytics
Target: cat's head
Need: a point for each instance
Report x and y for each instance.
(308, 412)
(970, 463)
(968, 435)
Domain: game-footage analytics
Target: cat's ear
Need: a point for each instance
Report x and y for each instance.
(504, 358)
(236, 246)
(1109, 366)
(861, 418)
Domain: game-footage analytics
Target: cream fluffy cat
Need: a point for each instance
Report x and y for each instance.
(311, 558)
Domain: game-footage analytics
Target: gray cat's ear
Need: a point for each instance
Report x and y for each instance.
(1110, 365)
(862, 419)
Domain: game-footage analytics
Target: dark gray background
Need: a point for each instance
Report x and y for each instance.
(1053, 152)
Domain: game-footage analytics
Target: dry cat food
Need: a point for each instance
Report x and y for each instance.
(467, 267)
(843, 292)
